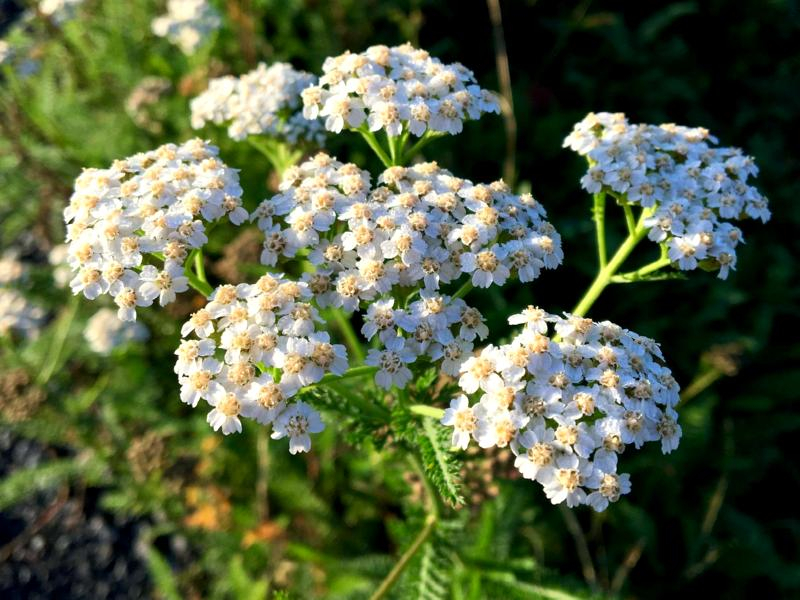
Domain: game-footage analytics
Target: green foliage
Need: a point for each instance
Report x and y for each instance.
(163, 578)
(442, 468)
(23, 483)
(333, 523)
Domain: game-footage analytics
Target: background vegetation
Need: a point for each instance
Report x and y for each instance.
(107, 441)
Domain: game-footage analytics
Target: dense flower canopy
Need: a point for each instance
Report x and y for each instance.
(154, 204)
(691, 188)
(568, 408)
(265, 101)
(399, 89)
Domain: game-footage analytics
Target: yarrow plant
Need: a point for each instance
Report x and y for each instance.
(242, 329)
(187, 24)
(689, 189)
(132, 227)
(104, 332)
(265, 101)
(401, 90)
(394, 255)
(568, 408)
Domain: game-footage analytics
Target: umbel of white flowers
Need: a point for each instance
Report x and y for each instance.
(187, 23)
(694, 188)
(399, 89)
(568, 409)
(243, 328)
(265, 101)
(154, 203)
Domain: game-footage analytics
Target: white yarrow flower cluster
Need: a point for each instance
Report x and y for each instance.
(419, 229)
(568, 409)
(398, 89)
(59, 11)
(12, 269)
(250, 350)
(19, 315)
(104, 331)
(265, 101)
(187, 23)
(156, 202)
(693, 188)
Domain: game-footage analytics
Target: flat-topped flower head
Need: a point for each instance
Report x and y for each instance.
(567, 409)
(398, 89)
(420, 230)
(18, 315)
(104, 332)
(187, 23)
(421, 226)
(265, 101)
(691, 188)
(250, 350)
(131, 227)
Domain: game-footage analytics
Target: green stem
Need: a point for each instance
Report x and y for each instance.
(201, 286)
(426, 139)
(640, 273)
(199, 266)
(60, 338)
(464, 289)
(392, 148)
(267, 149)
(352, 372)
(426, 411)
(397, 570)
(599, 214)
(630, 221)
(373, 143)
(605, 274)
(349, 334)
(699, 384)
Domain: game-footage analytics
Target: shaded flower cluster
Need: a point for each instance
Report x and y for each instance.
(142, 104)
(691, 188)
(104, 331)
(187, 23)
(59, 11)
(150, 207)
(398, 89)
(568, 408)
(265, 101)
(249, 351)
(17, 313)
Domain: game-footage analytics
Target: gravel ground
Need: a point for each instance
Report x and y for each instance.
(60, 544)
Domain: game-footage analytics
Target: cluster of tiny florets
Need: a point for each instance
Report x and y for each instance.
(690, 188)
(419, 229)
(568, 408)
(265, 101)
(142, 104)
(104, 332)
(17, 313)
(396, 89)
(250, 350)
(150, 207)
(187, 23)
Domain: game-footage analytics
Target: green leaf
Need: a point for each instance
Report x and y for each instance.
(21, 484)
(163, 577)
(440, 465)
(242, 585)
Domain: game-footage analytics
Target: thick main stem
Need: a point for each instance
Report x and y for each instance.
(606, 273)
(397, 570)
